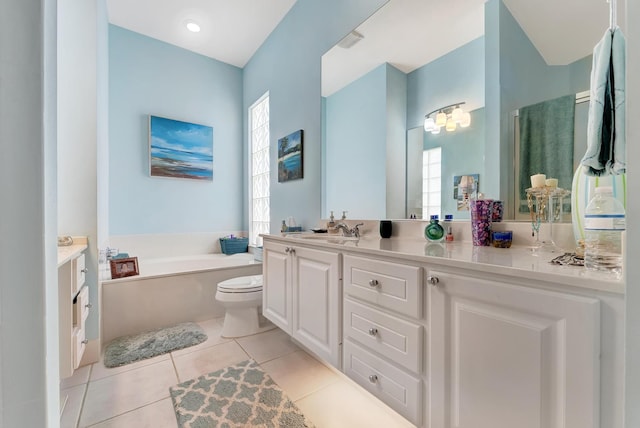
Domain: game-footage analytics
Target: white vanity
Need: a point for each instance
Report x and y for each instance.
(451, 335)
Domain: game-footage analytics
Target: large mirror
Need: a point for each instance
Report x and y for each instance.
(413, 57)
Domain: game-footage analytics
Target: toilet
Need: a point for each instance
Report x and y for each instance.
(241, 298)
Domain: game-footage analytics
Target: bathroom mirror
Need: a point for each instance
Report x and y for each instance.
(373, 116)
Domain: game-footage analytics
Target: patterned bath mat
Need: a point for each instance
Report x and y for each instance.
(238, 396)
(128, 349)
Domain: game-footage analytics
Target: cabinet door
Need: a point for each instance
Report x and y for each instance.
(317, 298)
(505, 356)
(276, 290)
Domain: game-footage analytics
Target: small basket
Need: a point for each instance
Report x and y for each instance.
(234, 245)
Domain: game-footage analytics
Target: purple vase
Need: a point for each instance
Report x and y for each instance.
(481, 210)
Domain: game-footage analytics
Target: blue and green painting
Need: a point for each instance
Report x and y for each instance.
(290, 157)
(180, 149)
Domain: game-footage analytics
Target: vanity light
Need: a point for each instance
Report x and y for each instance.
(192, 26)
(448, 117)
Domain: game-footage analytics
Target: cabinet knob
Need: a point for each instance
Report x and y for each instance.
(85, 270)
(287, 250)
(373, 331)
(433, 280)
(292, 251)
(373, 282)
(84, 342)
(373, 378)
(88, 306)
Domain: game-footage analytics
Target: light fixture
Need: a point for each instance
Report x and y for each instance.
(448, 117)
(192, 26)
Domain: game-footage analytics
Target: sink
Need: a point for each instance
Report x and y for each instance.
(324, 237)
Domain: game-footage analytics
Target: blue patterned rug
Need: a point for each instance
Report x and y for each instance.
(238, 396)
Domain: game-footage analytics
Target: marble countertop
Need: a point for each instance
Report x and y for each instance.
(69, 252)
(517, 261)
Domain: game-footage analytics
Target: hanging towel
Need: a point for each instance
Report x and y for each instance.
(606, 126)
(546, 142)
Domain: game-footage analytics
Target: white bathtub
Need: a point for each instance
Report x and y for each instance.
(169, 291)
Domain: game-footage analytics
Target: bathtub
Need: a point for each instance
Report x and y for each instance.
(169, 291)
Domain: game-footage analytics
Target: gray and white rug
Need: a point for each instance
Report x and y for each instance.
(237, 396)
(128, 349)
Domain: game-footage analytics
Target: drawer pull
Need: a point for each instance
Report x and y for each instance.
(373, 331)
(373, 378)
(88, 306)
(433, 280)
(84, 342)
(85, 270)
(373, 283)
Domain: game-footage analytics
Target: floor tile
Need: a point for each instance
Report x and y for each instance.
(299, 374)
(80, 376)
(99, 371)
(71, 413)
(212, 328)
(333, 407)
(156, 415)
(118, 394)
(207, 360)
(267, 346)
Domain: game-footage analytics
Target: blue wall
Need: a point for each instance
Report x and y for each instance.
(355, 131)
(147, 76)
(455, 77)
(288, 66)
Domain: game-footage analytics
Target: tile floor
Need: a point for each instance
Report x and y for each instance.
(137, 395)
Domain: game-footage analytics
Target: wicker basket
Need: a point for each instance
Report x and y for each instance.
(234, 245)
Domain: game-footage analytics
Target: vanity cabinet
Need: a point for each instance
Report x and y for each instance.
(383, 332)
(73, 299)
(504, 355)
(302, 295)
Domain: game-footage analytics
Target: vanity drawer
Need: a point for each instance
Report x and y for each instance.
(391, 337)
(79, 273)
(81, 307)
(79, 344)
(391, 285)
(397, 389)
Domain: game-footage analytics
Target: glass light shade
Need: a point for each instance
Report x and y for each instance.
(429, 124)
(451, 125)
(192, 26)
(441, 119)
(456, 114)
(465, 120)
(436, 130)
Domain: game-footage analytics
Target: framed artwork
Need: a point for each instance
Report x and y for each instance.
(464, 186)
(180, 149)
(124, 267)
(290, 157)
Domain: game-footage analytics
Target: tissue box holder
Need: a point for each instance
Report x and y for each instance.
(234, 245)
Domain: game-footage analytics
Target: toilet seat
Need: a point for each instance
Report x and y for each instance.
(242, 284)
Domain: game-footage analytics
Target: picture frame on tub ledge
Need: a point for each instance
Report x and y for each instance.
(124, 267)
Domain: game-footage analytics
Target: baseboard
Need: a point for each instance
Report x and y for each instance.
(91, 353)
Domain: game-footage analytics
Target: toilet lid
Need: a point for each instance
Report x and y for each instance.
(242, 284)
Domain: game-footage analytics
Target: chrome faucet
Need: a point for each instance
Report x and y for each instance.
(347, 231)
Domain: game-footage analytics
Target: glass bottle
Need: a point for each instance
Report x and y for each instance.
(434, 232)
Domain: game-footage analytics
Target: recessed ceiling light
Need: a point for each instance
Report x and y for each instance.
(193, 27)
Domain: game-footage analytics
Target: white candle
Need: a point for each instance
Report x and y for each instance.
(551, 182)
(538, 180)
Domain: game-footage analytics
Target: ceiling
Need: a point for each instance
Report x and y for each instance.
(405, 33)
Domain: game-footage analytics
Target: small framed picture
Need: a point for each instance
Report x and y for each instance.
(124, 267)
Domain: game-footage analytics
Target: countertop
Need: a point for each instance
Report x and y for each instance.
(69, 252)
(517, 261)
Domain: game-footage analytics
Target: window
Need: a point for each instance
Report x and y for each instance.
(259, 169)
(431, 182)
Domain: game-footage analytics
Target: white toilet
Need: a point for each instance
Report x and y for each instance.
(241, 298)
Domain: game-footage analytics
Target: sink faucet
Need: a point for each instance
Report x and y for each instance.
(347, 231)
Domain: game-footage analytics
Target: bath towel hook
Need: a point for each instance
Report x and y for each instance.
(612, 14)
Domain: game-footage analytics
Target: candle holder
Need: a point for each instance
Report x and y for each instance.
(545, 206)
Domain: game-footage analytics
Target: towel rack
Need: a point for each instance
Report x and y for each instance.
(613, 12)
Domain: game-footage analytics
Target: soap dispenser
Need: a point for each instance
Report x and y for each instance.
(331, 224)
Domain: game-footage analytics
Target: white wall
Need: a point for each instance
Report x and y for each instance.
(28, 262)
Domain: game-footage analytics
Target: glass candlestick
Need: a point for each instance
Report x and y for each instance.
(545, 206)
